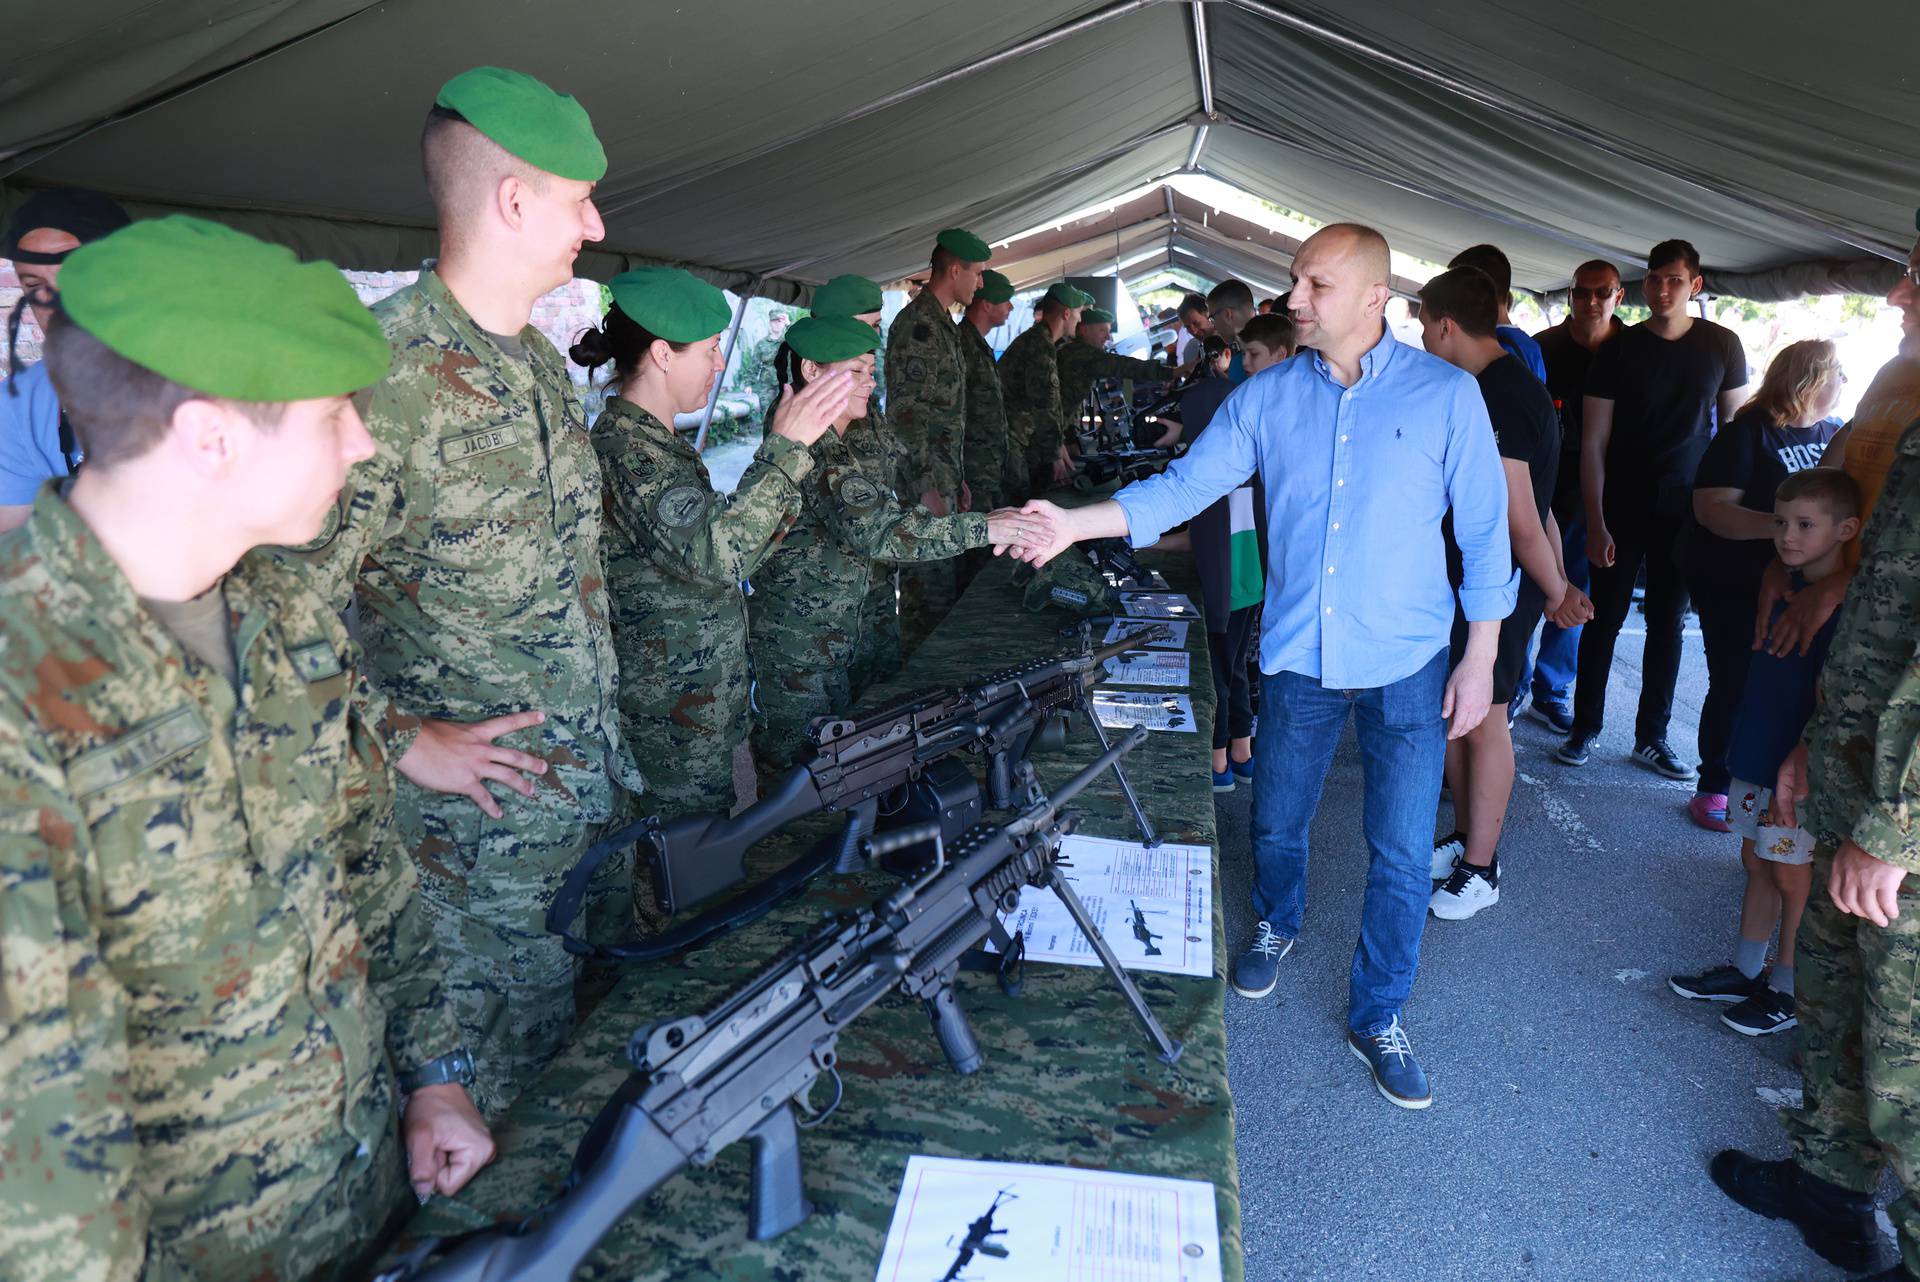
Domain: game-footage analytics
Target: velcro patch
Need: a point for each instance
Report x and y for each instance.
(857, 493)
(137, 751)
(315, 661)
(485, 441)
(681, 506)
(916, 370)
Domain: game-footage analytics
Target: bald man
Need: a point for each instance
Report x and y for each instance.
(1363, 445)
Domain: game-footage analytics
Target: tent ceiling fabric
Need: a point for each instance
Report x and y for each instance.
(743, 140)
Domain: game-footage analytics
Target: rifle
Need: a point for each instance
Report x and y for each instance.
(979, 1238)
(1142, 932)
(895, 760)
(744, 1069)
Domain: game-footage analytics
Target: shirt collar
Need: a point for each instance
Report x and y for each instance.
(1374, 363)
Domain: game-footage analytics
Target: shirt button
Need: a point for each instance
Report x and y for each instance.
(1329, 609)
(1329, 569)
(1341, 481)
(1336, 525)
(1343, 438)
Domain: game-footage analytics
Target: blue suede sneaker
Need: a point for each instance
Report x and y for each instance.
(1554, 714)
(1396, 1073)
(1258, 969)
(1223, 781)
(1242, 769)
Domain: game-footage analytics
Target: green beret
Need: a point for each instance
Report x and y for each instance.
(994, 288)
(847, 296)
(1066, 295)
(964, 245)
(826, 339)
(1096, 316)
(671, 303)
(1086, 300)
(221, 313)
(548, 130)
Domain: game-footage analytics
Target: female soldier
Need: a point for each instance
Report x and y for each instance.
(808, 598)
(676, 551)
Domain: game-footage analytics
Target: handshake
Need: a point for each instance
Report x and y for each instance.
(1039, 531)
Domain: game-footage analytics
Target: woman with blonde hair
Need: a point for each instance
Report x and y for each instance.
(1783, 429)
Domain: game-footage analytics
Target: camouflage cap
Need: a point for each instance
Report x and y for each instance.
(219, 312)
(826, 339)
(1096, 316)
(671, 303)
(994, 288)
(546, 129)
(964, 245)
(847, 296)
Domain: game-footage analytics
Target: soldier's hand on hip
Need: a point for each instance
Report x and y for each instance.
(447, 1142)
(805, 416)
(1865, 886)
(461, 757)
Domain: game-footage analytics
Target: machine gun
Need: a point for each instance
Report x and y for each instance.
(744, 1069)
(979, 1239)
(1142, 932)
(896, 760)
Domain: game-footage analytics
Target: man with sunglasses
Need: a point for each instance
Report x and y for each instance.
(1567, 349)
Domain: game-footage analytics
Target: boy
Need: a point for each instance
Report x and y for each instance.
(1459, 315)
(1816, 513)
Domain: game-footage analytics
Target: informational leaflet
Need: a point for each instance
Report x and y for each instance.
(1119, 709)
(1153, 907)
(1013, 1222)
(1158, 605)
(1176, 634)
(1149, 668)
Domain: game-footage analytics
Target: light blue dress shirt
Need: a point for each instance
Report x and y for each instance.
(1357, 481)
(29, 435)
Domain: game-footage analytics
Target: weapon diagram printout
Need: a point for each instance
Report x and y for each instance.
(966, 1221)
(1158, 605)
(1150, 668)
(1176, 640)
(1124, 709)
(1154, 907)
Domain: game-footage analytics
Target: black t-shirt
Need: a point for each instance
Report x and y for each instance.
(1567, 364)
(1752, 454)
(1525, 429)
(1665, 395)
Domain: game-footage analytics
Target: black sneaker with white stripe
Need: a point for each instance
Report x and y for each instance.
(1767, 1011)
(1659, 758)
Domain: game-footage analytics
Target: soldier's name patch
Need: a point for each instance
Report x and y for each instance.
(857, 493)
(315, 660)
(484, 441)
(681, 506)
(155, 743)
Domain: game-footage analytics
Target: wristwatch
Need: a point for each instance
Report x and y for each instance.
(454, 1066)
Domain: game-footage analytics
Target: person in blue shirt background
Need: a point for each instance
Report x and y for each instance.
(1491, 260)
(1362, 445)
(35, 442)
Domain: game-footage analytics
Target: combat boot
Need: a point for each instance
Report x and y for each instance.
(1836, 1223)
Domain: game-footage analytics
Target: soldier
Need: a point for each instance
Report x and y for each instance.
(470, 545)
(806, 604)
(676, 551)
(1085, 360)
(219, 982)
(926, 402)
(986, 439)
(1030, 382)
(756, 366)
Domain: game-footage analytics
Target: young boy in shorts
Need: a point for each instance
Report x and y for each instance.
(1815, 514)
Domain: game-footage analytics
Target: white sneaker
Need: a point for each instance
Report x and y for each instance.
(1447, 852)
(1467, 891)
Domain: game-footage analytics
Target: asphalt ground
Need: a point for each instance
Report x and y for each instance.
(1576, 1098)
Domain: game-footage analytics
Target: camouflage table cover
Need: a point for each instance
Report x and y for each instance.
(1069, 1077)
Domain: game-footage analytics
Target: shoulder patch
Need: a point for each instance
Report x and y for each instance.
(680, 506)
(916, 370)
(857, 494)
(137, 751)
(488, 439)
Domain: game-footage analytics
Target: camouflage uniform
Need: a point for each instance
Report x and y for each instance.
(986, 441)
(676, 554)
(1030, 382)
(877, 653)
(215, 959)
(470, 547)
(927, 405)
(1860, 1044)
(807, 598)
(1082, 365)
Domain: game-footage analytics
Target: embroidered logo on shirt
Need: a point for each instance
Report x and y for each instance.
(315, 661)
(680, 506)
(917, 368)
(484, 441)
(134, 753)
(857, 493)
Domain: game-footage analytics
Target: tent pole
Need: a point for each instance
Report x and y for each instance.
(733, 336)
(1562, 127)
(1193, 153)
(1202, 56)
(1045, 40)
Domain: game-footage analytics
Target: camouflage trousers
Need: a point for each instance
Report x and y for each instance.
(1856, 988)
(785, 702)
(687, 758)
(338, 1234)
(928, 591)
(486, 884)
(876, 646)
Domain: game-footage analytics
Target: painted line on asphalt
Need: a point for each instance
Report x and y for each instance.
(1561, 814)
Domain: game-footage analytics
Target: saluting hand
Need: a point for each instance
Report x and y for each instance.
(459, 757)
(805, 416)
(447, 1142)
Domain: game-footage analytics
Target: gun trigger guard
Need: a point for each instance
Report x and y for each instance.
(809, 1119)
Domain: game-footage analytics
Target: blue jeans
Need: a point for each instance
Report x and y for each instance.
(1403, 744)
(1551, 673)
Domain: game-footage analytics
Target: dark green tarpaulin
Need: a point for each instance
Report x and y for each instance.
(791, 142)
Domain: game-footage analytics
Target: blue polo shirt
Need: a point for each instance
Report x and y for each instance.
(29, 436)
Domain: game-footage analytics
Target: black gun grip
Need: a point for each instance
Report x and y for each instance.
(777, 1201)
(956, 1036)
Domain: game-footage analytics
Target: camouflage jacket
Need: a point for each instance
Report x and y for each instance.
(1082, 365)
(806, 603)
(470, 544)
(213, 942)
(1030, 383)
(676, 555)
(880, 450)
(1864, 760)
(986, 447)
(926, 394)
